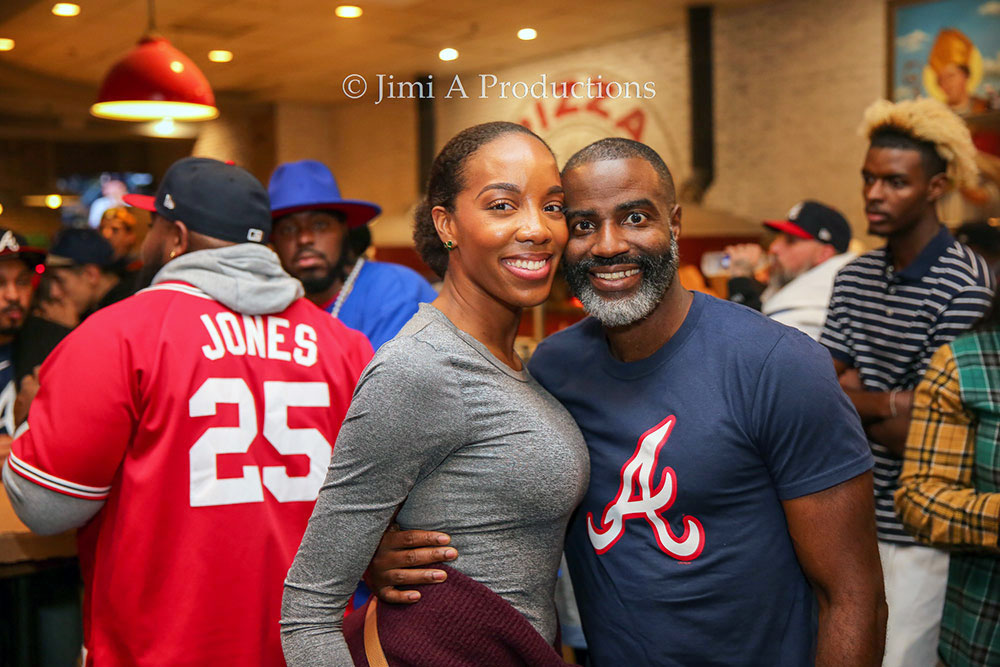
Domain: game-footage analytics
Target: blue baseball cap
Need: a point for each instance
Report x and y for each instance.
(76, 247)
(308, 185)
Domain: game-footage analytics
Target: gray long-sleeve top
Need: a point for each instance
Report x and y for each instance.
(468, 446)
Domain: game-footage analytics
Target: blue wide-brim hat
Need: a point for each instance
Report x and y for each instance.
(308, 185)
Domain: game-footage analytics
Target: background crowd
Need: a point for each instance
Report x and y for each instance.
(897, 373)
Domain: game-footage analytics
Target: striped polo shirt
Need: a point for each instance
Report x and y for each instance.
(887, 324)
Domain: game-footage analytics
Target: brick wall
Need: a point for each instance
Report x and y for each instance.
(792, 78)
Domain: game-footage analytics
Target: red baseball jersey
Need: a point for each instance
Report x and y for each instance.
(208, 434)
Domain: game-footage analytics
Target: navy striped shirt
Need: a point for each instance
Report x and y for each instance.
(888, 324)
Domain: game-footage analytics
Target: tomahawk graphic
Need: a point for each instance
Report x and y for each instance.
(650, 503)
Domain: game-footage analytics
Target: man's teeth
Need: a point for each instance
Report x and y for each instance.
(531, 265)
(617, 274)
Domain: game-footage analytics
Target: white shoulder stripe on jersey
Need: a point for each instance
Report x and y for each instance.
(45, 479)
(177, 287)
(19, 431)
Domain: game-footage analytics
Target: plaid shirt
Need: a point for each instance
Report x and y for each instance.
(949, 493)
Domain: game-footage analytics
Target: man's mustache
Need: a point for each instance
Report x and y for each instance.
(624, 258)
(309, 253)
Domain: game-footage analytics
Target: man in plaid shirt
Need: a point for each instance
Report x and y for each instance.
(949, 495)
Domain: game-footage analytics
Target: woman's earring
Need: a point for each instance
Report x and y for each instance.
(173, 253)
(449, 245)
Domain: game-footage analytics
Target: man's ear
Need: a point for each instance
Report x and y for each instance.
(92, 273)
(938, 186)
(179, 240)
(675, 220)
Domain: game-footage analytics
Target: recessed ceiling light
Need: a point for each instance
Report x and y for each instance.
(527, 33)
(348, 11)
(53, 201)
(220, 56)
(1, 209)
(448, 54)
(6, 44)
(65, 9)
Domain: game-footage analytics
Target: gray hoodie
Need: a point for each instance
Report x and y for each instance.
(246, 278)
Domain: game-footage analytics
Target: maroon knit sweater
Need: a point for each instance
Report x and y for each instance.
(460, 623)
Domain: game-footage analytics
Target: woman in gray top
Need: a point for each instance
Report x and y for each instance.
(446, 424)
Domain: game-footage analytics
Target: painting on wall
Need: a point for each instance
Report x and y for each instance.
(946, 49)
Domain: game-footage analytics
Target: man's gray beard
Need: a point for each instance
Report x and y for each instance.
(658, 274)
(779, 278)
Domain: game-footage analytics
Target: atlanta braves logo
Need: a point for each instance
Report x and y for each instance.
(650, 503)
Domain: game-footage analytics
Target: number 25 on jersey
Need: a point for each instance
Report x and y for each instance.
(208, 490)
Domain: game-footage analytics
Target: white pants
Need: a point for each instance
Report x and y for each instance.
(915, 581)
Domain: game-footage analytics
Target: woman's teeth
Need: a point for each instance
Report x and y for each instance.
(530, 265)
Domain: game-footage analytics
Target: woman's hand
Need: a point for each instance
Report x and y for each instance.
(397, 561)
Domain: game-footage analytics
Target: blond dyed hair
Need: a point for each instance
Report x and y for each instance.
(928, 120)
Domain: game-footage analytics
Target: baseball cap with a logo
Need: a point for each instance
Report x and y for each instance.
(213, 198)
(812, 220)
(13, 245)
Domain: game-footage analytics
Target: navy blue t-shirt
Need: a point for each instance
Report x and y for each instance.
(689, 561)
(7, 390)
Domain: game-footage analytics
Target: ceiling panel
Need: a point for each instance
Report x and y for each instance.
(299, 50)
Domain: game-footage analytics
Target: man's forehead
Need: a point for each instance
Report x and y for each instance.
(892, 157)
(304, 216)
(606, 183)
(13, 265)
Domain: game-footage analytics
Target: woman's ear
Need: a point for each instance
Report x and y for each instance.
(444, 223)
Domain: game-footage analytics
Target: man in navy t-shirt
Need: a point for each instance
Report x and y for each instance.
(730, 478)
(17, 270)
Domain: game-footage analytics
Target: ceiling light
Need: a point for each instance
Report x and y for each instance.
(1, 209)
(153, 81)
(65, 9)
(527, 33)
(348, 11)
(53, 201)
(165, 127)
(220, 56)
(6, 44)
(448, 54)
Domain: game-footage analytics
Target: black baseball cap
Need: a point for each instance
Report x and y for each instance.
(13, 245)
(213, 198)
(812, 220)
(76, 247)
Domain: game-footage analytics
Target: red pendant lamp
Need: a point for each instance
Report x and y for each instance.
(155, 81)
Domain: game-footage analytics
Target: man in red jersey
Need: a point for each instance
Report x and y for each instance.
(187, 431)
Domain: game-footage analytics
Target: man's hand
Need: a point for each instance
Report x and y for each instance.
(29, 388)
(397, 561)
(743, 259)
